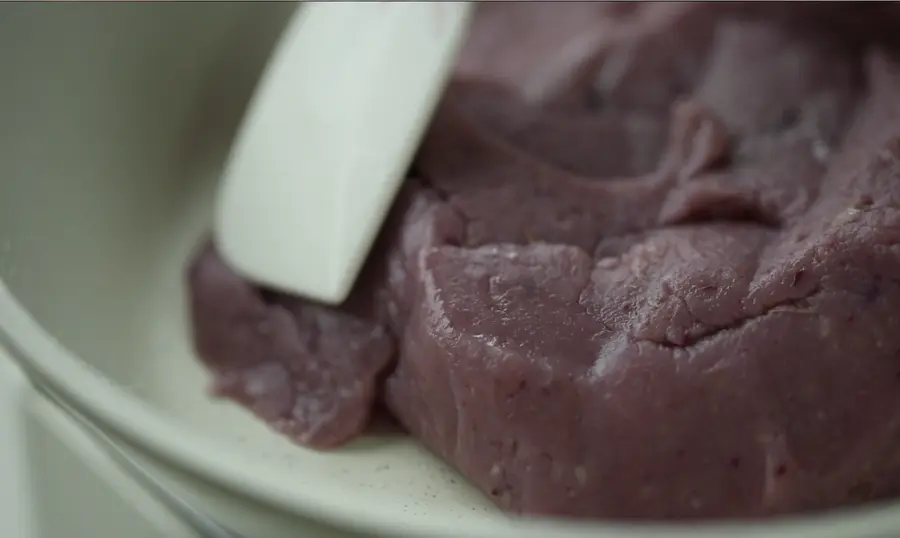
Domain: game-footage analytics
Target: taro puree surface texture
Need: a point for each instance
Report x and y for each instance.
(645, 265)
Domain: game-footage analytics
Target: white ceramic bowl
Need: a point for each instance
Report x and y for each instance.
(114, 119)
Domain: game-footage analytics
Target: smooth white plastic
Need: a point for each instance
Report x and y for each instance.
(116, 121)
(328, 138)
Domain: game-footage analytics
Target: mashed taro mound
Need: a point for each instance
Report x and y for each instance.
(646, 265)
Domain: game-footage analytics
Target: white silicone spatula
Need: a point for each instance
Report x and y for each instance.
(328, 137)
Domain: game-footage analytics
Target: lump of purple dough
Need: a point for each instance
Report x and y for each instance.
(309, 371)
(646, 266)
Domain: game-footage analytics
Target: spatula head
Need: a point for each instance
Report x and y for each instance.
(327, 138)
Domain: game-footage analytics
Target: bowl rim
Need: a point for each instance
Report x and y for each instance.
(112, 407)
